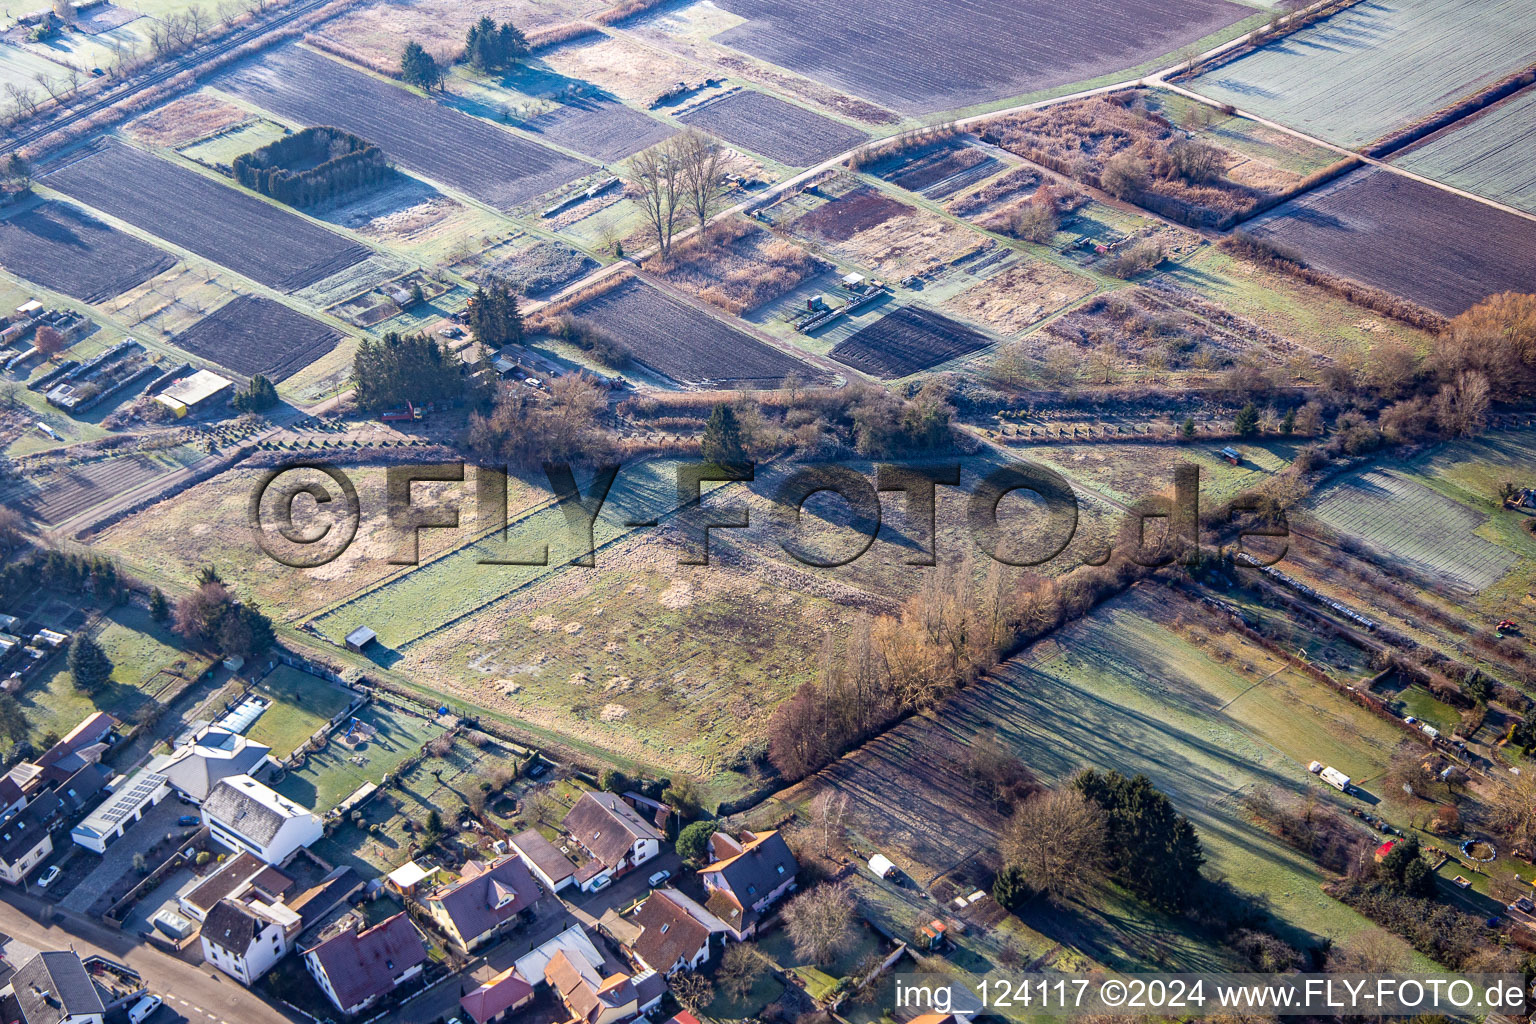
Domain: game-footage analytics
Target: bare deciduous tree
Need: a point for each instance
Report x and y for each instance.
(692, 990)
(657, 175)
(740, 967)
(1058, 838)
(705, 164)
(820, 921)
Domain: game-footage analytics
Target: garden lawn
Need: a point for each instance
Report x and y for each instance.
(301, 705)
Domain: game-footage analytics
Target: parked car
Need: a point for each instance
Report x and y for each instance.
(143, 1008)
(188, 819)
(659, 877)
(48, 876)
(602, 883)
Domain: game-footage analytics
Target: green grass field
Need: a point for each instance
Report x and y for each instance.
(329, 776)
(301, 704)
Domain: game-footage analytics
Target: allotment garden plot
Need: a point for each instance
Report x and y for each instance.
(456, 149)
(1411, 524)
(330, 775)
(252, 334)
(773, 128)
(1373, 68)
(906, 341)
(61, 247)
(261, 241)
(62, 495)
(901, 55)
(686, 344)
(1488, 154)
(1432, 246)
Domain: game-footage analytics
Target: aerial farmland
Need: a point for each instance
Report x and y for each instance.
(968, 490)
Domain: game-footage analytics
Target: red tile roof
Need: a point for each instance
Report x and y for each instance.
(496, 996)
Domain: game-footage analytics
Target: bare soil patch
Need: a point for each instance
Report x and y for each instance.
(251, 335)
(906, 341)
(61, 247)
(846, 216)
(773, 128)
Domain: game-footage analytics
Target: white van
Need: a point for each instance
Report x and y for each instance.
(143, 1008)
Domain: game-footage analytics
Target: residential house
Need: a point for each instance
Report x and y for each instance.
(674, 933)
(52, 988)
(542, 857)
(497, 998)
(242, 878)
(574, 942)
(355, 969)
(244, 940)
(486, 901)
(208, 756)
(316, 903)
(613, 835)
(127, 804)
(591, 998)
(746, 875)
(245, 815)
(26, 837)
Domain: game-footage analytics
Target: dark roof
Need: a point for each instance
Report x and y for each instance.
(471, 902)
(763, 865)
(544, 854)
(80, 787)
(364, 965)
(668, 932)
(54, 985)
(319, 900)
(10, 792)
(21, 833)
(230, 926)
(607, 827)
(234, 873)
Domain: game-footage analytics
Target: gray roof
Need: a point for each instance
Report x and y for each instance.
(21, 833)
(54, 985)
(232, 803)
(213, 754)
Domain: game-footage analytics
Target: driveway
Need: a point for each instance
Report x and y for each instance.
(117, 863)
(589, 908)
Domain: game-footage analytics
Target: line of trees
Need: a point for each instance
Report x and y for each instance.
(341, 162)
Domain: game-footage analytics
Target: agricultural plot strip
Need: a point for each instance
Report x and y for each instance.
(62, 496)
(250, 237)
(251, 334)
(1432, 246)
(1376, 67)
(1412, 524)
(770, 127)
(1488, 154)
(906, 341)
(687, 345)
(63, 248)
(902, 55)
(460, 151)
(602, 129)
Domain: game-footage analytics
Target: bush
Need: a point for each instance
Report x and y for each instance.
(602, 346)
(693, 841)
(1124, 176)
(1134, 259)
(334, 162)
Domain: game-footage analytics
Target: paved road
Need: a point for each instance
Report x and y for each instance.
(199, 994)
